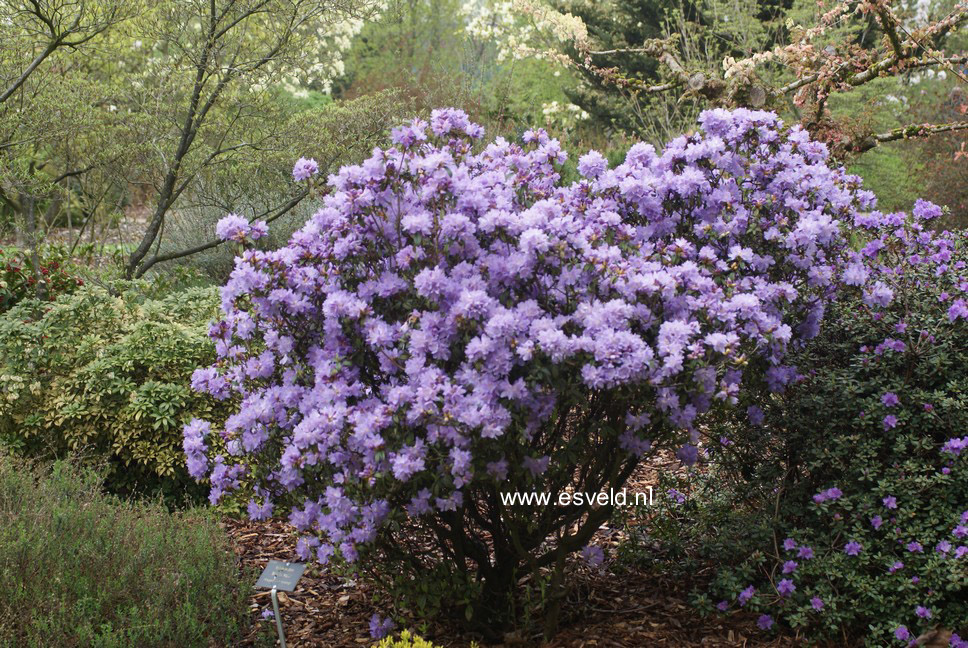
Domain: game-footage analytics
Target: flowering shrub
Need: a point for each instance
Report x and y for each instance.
(863, 458)
(18, 281)
(452, 325)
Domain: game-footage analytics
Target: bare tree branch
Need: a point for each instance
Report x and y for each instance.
(908, 132)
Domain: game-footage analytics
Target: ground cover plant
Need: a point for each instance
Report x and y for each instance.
(85, 569)
(452, 326)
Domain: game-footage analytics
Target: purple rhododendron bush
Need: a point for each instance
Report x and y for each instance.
(456, 323)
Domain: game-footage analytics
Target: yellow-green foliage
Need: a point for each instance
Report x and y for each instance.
(408, 640)
(108, 373)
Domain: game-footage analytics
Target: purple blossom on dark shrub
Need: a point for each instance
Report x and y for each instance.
(380, 627)
(852, 548)
(593, 555)
(914, 546)
(745, 596)
(304, 169)
(785, 587)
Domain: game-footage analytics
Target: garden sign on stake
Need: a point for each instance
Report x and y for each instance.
(277, 576)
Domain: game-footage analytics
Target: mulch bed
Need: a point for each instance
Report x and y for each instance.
(631, 610)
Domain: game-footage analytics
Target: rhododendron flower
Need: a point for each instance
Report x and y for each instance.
(852, 548)
(958, 309)
(880, 294)
(902, 633)
(817, 603)
(304, 169)
(955, 446)
(195, 448)
(260, 511)
(755, 415)
(745, 596)
(890, 399)
(765, 622)
(688, 454)
(889, 502)
(592, 164)
(235, 228)
(829, 494)
(786, 587)
(380, 627)
(593, 555)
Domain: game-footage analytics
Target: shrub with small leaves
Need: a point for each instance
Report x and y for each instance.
(864, 459)
(84, 569)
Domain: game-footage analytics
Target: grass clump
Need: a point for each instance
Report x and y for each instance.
(83, 568)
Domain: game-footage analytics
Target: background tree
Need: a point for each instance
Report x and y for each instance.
(208, 69)
(41, 134)
(824, 52)
(627, 92)
(166, 114)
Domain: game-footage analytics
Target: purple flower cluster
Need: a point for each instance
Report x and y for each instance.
(379, 627)
(420, 337)
(593, 555)
(833, 493)
(304, 169)
(235, 228)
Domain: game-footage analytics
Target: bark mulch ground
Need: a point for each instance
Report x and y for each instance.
(634, 609)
